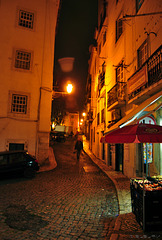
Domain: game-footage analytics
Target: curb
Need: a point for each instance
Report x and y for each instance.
(52, 162)
(124, 196)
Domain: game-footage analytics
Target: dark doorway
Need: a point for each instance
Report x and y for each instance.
(109, 154)
(139, 169)
(119, 157)
(103, 151)
(16, 146)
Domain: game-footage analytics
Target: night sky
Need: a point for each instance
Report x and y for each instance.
(76, 25)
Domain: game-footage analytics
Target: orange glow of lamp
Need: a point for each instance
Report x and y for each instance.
(69, 88)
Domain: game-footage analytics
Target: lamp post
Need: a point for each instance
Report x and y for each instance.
(56, 94)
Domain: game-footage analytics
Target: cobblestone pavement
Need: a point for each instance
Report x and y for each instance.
(126, 226)
(76, 200)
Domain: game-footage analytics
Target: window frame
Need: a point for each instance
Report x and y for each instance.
(119, 28)
(17, 113)
(98, 118)
(19, 62)
(103, 115)
(19, 104)
(99, 48)
(119, 68)
(142, 54)
(29, 11)
(104, 37)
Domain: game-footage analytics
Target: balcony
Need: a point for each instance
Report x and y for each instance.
(116, 96)
(147, 80)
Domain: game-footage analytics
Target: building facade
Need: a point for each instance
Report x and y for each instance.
(124, 83)
(27, 58)
(71, 121)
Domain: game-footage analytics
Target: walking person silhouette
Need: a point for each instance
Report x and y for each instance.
(78, 147)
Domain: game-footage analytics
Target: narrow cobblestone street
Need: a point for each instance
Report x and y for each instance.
(76, 200)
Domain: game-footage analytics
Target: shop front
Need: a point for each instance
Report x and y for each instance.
(141, 136)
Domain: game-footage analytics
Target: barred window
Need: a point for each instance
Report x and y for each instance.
(26, 19)
(22, 60)
(19, 104)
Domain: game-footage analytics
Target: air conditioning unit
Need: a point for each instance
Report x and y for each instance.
(116, 114)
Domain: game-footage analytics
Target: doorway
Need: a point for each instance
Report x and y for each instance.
(103, 151)
(119, 157)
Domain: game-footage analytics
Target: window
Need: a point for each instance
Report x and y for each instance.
(104, 37)
(94, 135)
(19, 104)
(26, 19)
(98, 118)
(99, 49)
(139, 4)
(142, 54)
(119, 29)
(103, 115)
(22, 60)
(16, 146)
(3, 159)
(119, 73)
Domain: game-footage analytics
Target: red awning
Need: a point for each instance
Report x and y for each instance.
(137, 133)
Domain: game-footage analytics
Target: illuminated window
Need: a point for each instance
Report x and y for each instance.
(22, 60)
(26, 19)
(142, 54)
(19, 104)
(139, 4)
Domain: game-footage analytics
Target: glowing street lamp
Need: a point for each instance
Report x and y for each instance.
(84, 114)
(69, 88)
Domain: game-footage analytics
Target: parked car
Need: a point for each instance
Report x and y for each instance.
(18, 161)
(57, 136)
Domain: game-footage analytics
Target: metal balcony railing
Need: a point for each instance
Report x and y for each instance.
(154, 66)
(154, 72)
(116, 94)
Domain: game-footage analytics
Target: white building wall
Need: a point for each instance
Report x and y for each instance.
(32, 128)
